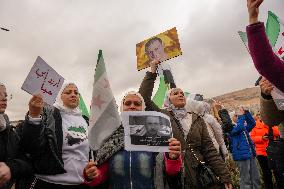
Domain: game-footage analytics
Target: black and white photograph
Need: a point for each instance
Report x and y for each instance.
(147, 131)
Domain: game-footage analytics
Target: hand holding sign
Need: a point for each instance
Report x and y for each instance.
(35, 106)
(45, 79)
(153, 65)
(175, 148)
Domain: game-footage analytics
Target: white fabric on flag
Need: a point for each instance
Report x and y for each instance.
(104, 118)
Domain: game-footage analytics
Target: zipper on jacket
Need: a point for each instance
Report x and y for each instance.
(248, 144)
(130, 177)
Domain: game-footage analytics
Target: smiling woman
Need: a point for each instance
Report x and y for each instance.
(59, 136)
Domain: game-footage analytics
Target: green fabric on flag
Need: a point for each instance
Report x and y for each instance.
(159, 97)
(83, 107)
(272, 28)
(243, 36)
(100, 69)
(186, 94)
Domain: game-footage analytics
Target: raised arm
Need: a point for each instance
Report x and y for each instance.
(250, 121)
(146, 88)
(265, 60)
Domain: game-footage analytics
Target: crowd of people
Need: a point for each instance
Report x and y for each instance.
(50, 148)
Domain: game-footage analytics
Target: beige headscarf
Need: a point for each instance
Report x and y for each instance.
(132, 93)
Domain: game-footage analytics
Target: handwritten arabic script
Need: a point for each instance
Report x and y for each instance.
(43, 79)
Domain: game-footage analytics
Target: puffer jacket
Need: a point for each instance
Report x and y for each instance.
(257, 133)
(241, 144)
(198, 138)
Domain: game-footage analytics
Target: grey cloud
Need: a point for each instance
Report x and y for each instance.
(67, 34)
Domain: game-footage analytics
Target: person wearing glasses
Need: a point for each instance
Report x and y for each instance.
(131, 169)
(13, 167)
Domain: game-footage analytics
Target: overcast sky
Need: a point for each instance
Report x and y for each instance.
(67, 34)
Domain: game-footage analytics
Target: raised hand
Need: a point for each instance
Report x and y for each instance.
(153, 65)
(265, 86)
(35, 106)
(253, 10)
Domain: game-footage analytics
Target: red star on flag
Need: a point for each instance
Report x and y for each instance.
(97, 101)
(106, 83)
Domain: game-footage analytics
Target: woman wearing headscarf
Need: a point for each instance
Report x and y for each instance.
(56, 139)
(202, 109)
(132, 169)
(13, 164)
(189, 129)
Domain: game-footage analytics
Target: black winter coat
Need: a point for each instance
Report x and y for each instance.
(11, 154)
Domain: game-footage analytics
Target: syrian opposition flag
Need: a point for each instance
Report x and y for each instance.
(104, 118)
(275, 33)
(159, 97)
(83, 107)
(244, 38)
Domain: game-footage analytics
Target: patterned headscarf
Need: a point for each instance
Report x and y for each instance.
(180, 113)
(59, 103)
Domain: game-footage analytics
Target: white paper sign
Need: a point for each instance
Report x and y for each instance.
(43, 79)
(146, 131)
(278, 97)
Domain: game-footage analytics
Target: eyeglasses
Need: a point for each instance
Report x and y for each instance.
(135, 103)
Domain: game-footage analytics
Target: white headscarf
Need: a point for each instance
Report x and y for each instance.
(180, 113)
(198, 107)
(132, 93)
(59, 103)
(232, 115)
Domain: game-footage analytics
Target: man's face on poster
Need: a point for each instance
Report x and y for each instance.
(152, 125)
(155, 51)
